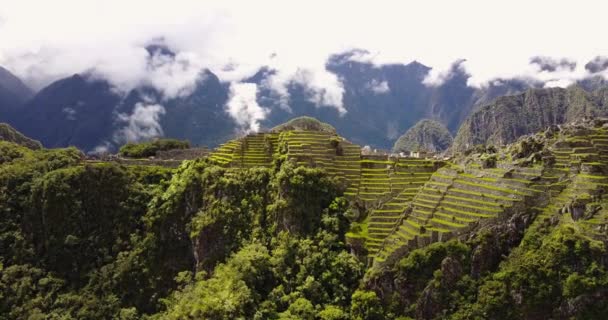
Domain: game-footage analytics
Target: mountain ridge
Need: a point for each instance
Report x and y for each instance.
(381, 102)
(509, 117)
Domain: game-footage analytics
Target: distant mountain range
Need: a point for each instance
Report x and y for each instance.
(382, 102)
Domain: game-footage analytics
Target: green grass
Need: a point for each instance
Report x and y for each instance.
(388, 211)
(467, 213)
(494, 210)
(448, 216)
(483, 195)
(491, 187)
(448, 223)
(486, 203)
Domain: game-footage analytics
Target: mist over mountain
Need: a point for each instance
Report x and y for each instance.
(74, 111)
(369, 103)
(382, 102)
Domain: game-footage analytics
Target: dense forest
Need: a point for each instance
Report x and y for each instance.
(87, 240)
(107, 241)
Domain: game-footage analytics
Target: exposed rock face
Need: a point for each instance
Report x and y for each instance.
(430, 302)
(451, 270)
(575, 306)
(496, 242)
(206, 248)
(426, 135)
(510, 117)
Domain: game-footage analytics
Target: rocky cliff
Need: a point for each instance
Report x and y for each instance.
(510, 117)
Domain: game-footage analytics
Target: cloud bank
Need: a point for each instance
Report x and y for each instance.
(142, 124)
(378, 87)
(243, 106)
(556, 42)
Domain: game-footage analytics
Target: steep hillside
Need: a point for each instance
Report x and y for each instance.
(426, 135)
(8, 133)
(75, 111)
(13, 93)
(510, 117)
(200, 117)
(384, 101)
(381, 186)
(89, 113)
(298, 224)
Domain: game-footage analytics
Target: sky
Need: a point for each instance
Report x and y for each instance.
(42, 41)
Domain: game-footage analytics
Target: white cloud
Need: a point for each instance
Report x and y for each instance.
(70, 113)
(101, 149)
(142, 124)
(324, 87)
(46, 40)
(561, 83)
(174, 77)
(378, 87)
(243, 106)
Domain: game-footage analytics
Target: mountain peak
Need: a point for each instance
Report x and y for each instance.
(13, 94)
(426, 135)
(11, 83)
(159, 47)
(304, 124)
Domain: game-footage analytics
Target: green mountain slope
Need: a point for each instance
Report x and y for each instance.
(8, 133)
(299, 225)
(510, 117)
(304, 124)
(426, 135)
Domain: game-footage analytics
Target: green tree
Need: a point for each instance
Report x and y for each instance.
(366, 306)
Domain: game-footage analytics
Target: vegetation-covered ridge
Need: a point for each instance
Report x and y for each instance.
(151, 148)
(426, 135)
(105, 241)
(299, 225)
(8, 133)
(523, 227)
(304, 123)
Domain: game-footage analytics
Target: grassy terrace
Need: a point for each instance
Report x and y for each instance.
(410, 203)
(403, 182)
(578, 187)
(599, 222)
(224, 155)
(451, 201)
(387, 186)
